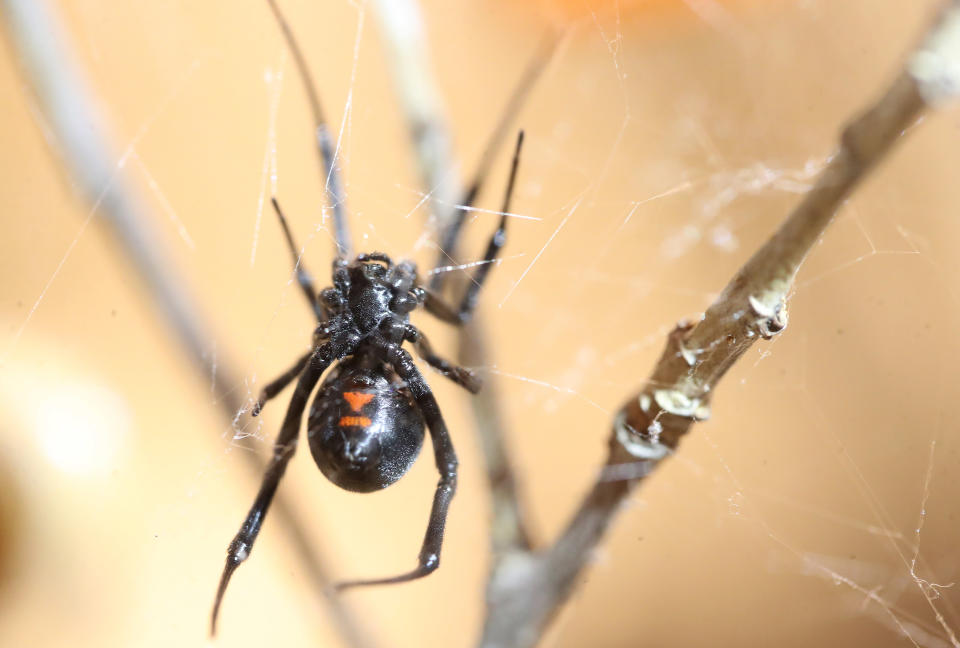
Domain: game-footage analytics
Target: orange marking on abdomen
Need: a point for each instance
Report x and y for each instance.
(354, 421)
(357, 399)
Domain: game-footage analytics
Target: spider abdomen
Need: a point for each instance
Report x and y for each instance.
(364, 429)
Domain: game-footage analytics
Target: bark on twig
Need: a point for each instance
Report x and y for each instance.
(74, 120)
(528, 588)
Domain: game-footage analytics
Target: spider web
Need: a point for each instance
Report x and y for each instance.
(664, 143)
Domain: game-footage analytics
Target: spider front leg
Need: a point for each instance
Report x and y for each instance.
(435, 304)
(446, 460)
(303, 277)
(283, 449)
(443, 311)
(277, 385)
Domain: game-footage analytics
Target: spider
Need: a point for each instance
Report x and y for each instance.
(366, 424)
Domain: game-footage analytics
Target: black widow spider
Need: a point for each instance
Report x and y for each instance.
(366, 425)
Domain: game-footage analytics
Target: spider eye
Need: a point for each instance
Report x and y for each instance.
(375, 269)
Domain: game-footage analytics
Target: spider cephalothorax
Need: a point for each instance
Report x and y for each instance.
(372, 290)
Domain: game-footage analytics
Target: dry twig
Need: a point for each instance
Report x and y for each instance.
(528, 588)
(402, 27)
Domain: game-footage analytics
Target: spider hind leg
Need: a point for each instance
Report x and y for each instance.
(446, 461)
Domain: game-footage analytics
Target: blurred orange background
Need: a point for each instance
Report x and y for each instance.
(684, 135)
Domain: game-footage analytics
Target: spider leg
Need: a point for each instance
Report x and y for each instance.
(277, 385)
(332, 183)
(334, 300)
(283, 449)
(460, 375)
(446, 460)
(451, 235)
(303, 277)
(434, 303)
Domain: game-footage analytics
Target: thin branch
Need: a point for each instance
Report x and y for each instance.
(82, 145)
(508, 528)
(402, 27)
(528, 588)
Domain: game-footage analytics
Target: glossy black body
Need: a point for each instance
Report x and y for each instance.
(366, 422)
(369, 447)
